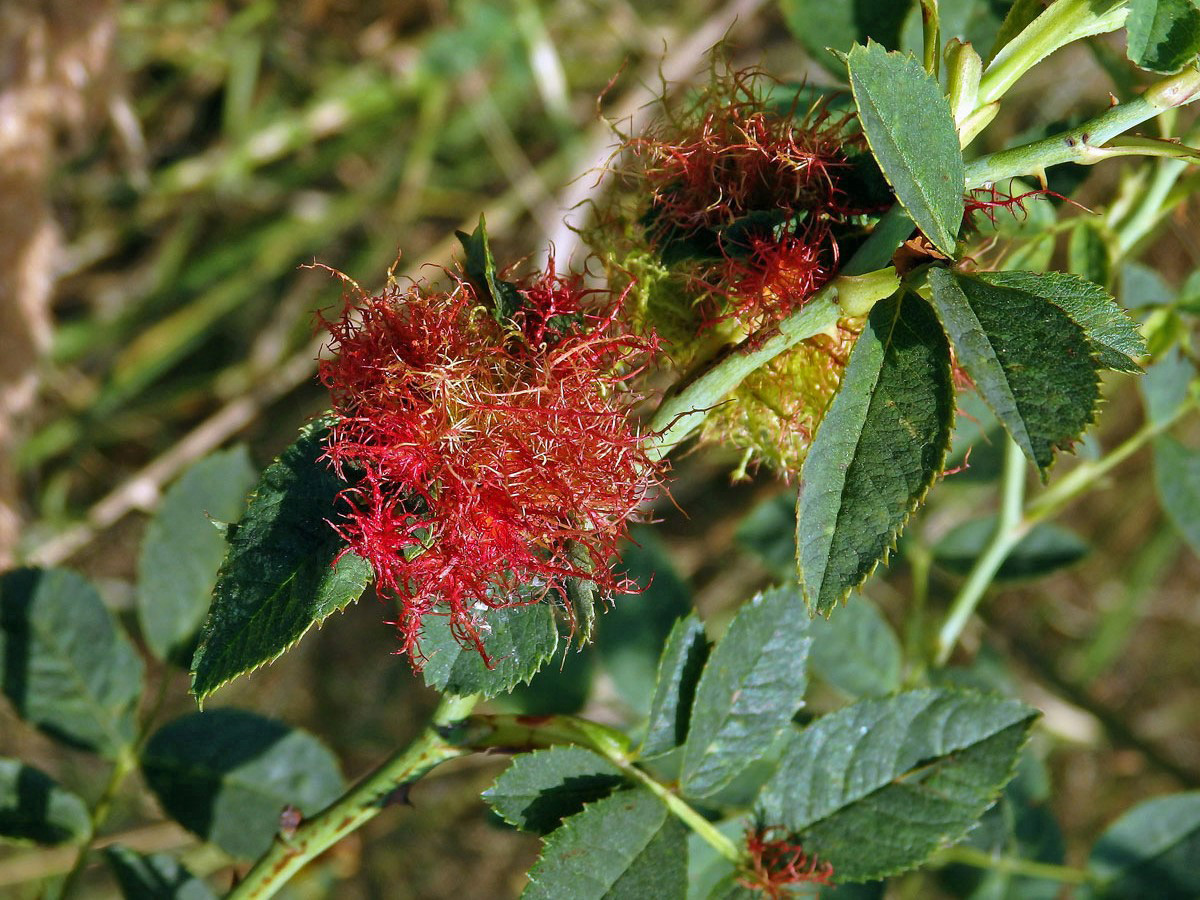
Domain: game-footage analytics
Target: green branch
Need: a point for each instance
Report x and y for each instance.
(1084, 144)
(289, 854)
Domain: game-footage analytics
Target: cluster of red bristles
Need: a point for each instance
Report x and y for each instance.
(775, 863)
(488, 461)
(733, 155)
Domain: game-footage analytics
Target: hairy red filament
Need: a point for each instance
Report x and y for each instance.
(486, 463)
(776, 862)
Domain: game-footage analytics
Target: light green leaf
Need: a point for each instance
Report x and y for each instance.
(752, 685)
(154, 876)
(280, 576)
(1177, 478)
(519, 641)
(626, 845)
(819, 24)
(907, 121)
(542, 788)
(856, 651)
(68, 667)
(1030, 362)
(684, 654)
(1113, 336)
(226, 775)
(1163, 35)
(36, 809)
(1088, 252)
(182, 550)
(1166, 385)
(1046, 548)
(1151, 851)
(876, 788)
(876, 452)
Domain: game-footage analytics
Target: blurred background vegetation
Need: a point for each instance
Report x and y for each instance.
(169, 170)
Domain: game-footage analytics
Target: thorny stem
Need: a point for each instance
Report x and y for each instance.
(290, 853)
(1084, 143)
(1014, 525)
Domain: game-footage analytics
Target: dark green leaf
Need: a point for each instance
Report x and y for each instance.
(280, 576)
(520, 640)
(1177, 477)
(630, 634)
(907, 121)
(36, 809)
(226, 775)
(876, 452)
(500, 295)
(626, 845)
(839, 26)
(1166, 385)
(66, 665)
(752, 685)
(1151, 851)
(856, 651)
(182, 551)
(1113, 336)
(1045, 549)
(684, 655)
(155, 876)
(1163, 35)
(878, 787)
(1028, 359)
(542, 788)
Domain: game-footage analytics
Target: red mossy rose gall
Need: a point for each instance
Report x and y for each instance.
(488, 458)
(775, 863)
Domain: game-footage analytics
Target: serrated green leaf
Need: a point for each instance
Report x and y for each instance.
(1177, 478)
(908, 124)
(630, 634)
(226, 775)
(1046, 548)
(856, 651)
(1019, 826)
(684, 655)
(626, 845)
(1030, 362)
(36, 809)
(876, 452)
(480, 267)
(519, 641)
(876, 788)
(1163, 35)
(279, 577)
(182, 551)
(819, 24)
(542, 788)
(751, 686)
(1151, 851)
(154, 876)
(1113, 336)
(67, 666)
